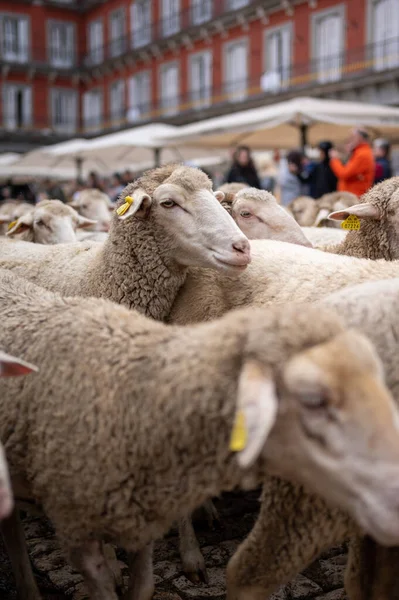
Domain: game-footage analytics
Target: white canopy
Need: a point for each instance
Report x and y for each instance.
(279, 125)
(129, 149)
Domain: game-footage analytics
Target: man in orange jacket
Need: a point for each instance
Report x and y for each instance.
(357, 176)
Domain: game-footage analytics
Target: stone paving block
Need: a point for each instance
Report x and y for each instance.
(216, 588)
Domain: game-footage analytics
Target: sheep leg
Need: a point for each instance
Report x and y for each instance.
(14, 540)
(190, 553)
(90, 561)
(372, 571)
(211, 513)
(292, 529)
(141, 574)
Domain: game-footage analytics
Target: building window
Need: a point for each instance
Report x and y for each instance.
(169, 89)
(277, 59)
(117, 33)
(62, 44)
(170, 17)
(64, 110)
(92, 110)
(15, 38)
(96, 42)
(236, 70)
(141, 23)
(385, 34)
(235, 4)
(201, 79)
(328, 29)
(117, 102)
(17, 106)
(139, 96)
(201, 11)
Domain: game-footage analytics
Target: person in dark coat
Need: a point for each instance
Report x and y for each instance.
(383, 168)
(243, 169)
(323, 178)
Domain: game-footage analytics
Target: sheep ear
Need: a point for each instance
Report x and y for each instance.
(363, 211)
(84, 222)
(10, 366)
(256, 414)
(321, 215)
(219, 195)
(139, 205)
(22, 224)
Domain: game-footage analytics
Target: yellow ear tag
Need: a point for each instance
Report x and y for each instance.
(351, 222)
(11, 225)
(239, 435)
(122, 209)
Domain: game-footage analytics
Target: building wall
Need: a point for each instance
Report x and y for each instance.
(302, 70)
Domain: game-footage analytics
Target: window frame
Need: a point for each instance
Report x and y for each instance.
(74, 94)
(200, 102)
(162, 68)
(226, 47)
(72, 25)
(340, 10)
(16, 16)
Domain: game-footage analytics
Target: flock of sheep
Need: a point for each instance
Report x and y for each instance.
(160, 358)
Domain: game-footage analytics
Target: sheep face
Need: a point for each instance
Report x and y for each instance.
(304, 210)
(49, 222)
(342, 425)
(9, 366)
(259, 216)
(95, 205)
(11, 211)
(191, 223)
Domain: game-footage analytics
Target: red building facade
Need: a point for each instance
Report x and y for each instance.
(72, 68)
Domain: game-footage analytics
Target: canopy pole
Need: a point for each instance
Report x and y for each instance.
(157, 157)
(79, 165)
(304, 136)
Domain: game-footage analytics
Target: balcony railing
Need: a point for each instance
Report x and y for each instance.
(199, 13)
(298, 78)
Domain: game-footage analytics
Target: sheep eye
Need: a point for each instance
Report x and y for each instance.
(41, 223)
(168, 204)
(245, 214)
(83, 206)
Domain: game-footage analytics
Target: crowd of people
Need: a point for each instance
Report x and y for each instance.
(354, 170)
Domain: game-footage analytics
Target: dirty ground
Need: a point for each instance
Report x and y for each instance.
(321, 581)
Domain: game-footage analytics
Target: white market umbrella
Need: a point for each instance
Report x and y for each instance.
(289, 124)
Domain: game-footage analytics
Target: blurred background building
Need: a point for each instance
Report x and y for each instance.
(83, 67)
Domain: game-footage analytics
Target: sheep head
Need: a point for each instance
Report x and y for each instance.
(185, 215)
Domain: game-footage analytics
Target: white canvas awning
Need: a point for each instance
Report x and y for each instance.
(135, 149)
(284, 124)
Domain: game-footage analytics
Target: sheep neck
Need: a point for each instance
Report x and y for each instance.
(132, 270)
(371, 241)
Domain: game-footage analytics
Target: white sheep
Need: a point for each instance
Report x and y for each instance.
(330, 203)
(274, 553)
(278, 273)
(129, 423)
(49, 222)
(172, 220)
(259, 216)
(94, 204)
(10, 211)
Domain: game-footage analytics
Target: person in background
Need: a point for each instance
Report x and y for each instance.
(127, 177)
(292, 179)
(94, 181)
(243, 169)
(53, 190)
(116, 186)
(383, 167)
(324, 180)
(357, 175)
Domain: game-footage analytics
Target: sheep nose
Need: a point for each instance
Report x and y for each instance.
(243, 247)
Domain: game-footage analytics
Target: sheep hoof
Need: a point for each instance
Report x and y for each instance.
(198, 576)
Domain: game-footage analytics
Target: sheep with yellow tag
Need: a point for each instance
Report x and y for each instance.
(138, 422)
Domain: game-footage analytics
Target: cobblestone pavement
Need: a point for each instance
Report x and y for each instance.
(321, 581)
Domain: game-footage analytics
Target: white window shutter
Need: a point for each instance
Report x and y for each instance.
(23, 40)
(9, 115)
(70, 54)
(134, 24)
(27, 106)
